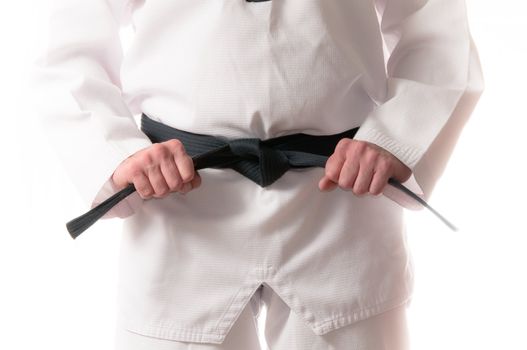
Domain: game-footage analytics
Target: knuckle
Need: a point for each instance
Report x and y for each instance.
(162, 191)
(359, 191)
(135, 170)
(138, 180)
(349, 153)
(159, 150)
(354, 149)
(371, 155)
(140, 185)
(175, 143)
(155, 147)
(175, 184)
(145, 160)
(343, 143)
(330, 163)
(177, 146)
(375, 189)
(359, 188)
(172, 185)
(345, 182)
(187, 176)
(375, 193)
(159, 186)
(332, 173)
(188, 164)
(361, 146)
(383, 166)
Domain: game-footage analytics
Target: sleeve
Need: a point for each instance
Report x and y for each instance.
(78, 100)
(434, 81)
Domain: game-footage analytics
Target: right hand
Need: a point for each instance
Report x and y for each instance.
(158, 170)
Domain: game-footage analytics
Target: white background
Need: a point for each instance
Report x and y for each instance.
(471, 285)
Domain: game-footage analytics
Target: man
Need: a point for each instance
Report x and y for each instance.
(330, 265)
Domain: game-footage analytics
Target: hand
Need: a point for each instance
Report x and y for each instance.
(362, 167)
(158, 170)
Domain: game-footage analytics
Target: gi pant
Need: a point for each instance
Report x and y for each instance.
(284, 330)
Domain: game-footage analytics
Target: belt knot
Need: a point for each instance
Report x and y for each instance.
(262, 163)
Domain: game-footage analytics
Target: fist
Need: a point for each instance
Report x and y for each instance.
(361, 167)
(158, 170)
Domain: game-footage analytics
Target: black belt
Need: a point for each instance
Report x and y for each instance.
(262, 161)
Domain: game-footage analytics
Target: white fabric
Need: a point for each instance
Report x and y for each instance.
(285, 330)
(231, 68)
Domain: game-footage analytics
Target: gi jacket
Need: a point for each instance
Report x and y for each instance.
(405, 71)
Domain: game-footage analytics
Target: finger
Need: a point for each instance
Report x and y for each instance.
(121, 175)
(184, 162)
(171, 174)
(157, 181)
(142, 185)
(325, 184)
(186, 167)
(334, 164)
(196, 180)
(363, 180)
(401, 171)
(186, 187)
(194, 183)
(378, 182)
(348, 174)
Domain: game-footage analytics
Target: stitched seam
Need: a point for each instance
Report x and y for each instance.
(228, 309)
(362, 310)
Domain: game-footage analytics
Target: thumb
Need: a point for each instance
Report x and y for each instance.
(118, 181)
(119, 177)
(325, 184)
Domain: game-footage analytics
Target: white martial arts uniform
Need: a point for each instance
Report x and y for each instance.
(405, 71)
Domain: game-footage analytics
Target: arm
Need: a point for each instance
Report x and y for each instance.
(434, 83)
(78, 100)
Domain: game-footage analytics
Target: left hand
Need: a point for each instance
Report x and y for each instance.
(361, 167)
